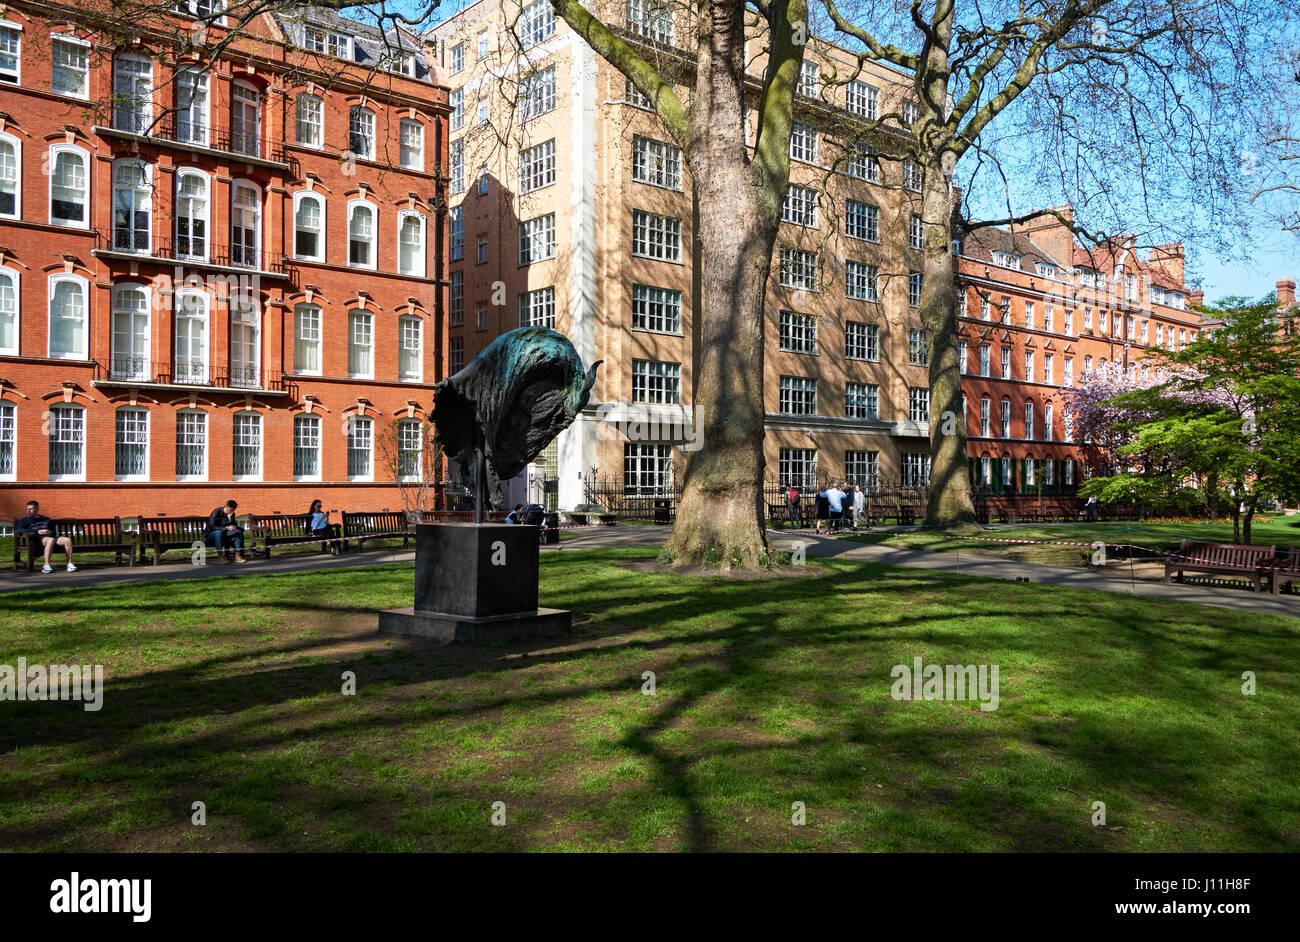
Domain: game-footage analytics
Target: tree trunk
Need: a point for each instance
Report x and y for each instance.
(950, 491)
(1236, 520)
(1245, 524)
(721, 517)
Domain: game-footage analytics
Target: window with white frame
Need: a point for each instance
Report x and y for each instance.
(1005, 418)
(191, 445)
(411, 155)
(1029, 366)
(309, 226)
(191, 331)
(984, 416)
(360, 449)
(457, 58)
(916, 232)
(245, 119)
(1029, 421)
(69, 186)
(361, 132)
(483, 180)
(131, 444)
(655, 236)
(861, 221)
(800, 206)
(911, 112)
(861, 341)
(410, 348)
(1006, 362)
(70, 66)
(1005, 309)
(863, 100)
(132, 202)
(960, 305)
(537, 166)
(132, 93)
(918, 348)
(537, 239)
(306, 448)
(798, 466)
(862, 401)
(798, 395)
(360, 344)
(656, 162)
(410, 449)
(537, 308)
(192, 214)
(656, 309)
(192, 104)
(410, 243)
(984, 359)
(798, 268)
(647, 469)
(245, 224)
(11, 186)
(803, 142)
(652, 19)
(8, 440)
(918, 398)
(306, 339)
(961, 356)
(361, 235)
(863, 163)
(537, 91)
(634, 98)
(536, 23)
(861, 281)
(1049, 431)
(456, 223)
(914, 283)
(1029, 314)
(912, 176)
(11, 38)
(1067, 322)
(484, 111)
(9, 322)
(1069, 371)
(309, 120)
(863, 468)
(130, 350)
(809, 79)
(481, 317)
(916, 468)
(484, 44)
(68, 316)
(456, 100)
(456, 300)
(456, 167)
(245, 344)
(247, 446)
(67, 424)
(798, 332)
(333, 44)
(1049, 368)
(656, 382)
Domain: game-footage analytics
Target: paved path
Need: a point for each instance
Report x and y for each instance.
(1108, 580)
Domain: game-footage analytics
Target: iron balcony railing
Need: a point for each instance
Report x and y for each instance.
(191, 250)
(180, 129)
(185, 372)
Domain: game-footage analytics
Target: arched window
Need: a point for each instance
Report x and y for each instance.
(131, 333)
(1005, 418)
(132, 206)
(67, 443)
(11, 177)
(984, 416)
(10, 328)
(191, 337)
(361, 234)
(308, 226)
(310, 121)
(132, 93)
(1029, 421)
(245, 119)
(192, 106)
(69, 186)
(245, 224)
(361, 132)
(410, 244)
(1049, 432)
(191, 445)
(192, 213)
(131, 444)
(247, 457)
(68, 317)
(245, 344)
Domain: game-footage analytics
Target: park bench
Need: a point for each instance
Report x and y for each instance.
(1222, 559)
(167, 533)
(89, 535)
(376, 525)
(266, 530)
(907, 514)
(1286, 569)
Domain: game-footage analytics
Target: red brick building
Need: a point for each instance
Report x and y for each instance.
(217, 278)
(1037, 314)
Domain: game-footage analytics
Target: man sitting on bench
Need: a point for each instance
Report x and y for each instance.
(224, 531)
(39, 531)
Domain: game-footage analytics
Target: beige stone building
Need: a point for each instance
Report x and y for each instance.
(571, 208)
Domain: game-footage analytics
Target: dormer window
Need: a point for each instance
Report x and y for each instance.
(332, 44)
(1007, 260)
(1046, 271)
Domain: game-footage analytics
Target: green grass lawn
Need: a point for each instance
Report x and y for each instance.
(1281, 531)
(769, 692)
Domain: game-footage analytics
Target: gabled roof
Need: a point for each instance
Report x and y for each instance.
(370, 43)
(981, 243)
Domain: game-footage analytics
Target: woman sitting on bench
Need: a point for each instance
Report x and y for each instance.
(320, 527)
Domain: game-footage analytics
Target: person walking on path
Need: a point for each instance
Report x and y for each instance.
(835, 500)
(224, 531)
(822, 511)
(39, 531)
(792, 504)
(859, 506)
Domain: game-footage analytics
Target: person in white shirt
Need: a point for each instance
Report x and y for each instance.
(858, 506)
(835, 498)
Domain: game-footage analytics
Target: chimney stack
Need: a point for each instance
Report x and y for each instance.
(1196, 298)
(1169, 257)
(1285, 292)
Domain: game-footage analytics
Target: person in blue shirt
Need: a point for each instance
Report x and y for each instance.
(515, 516)
(319, 526)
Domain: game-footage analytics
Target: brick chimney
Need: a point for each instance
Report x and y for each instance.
(1285, 292)
(1169, 257)
(1048, 232)
(1196, 298)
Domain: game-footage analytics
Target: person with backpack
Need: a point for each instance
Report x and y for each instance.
(792, 504)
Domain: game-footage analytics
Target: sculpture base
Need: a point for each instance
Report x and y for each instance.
(464, 629)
